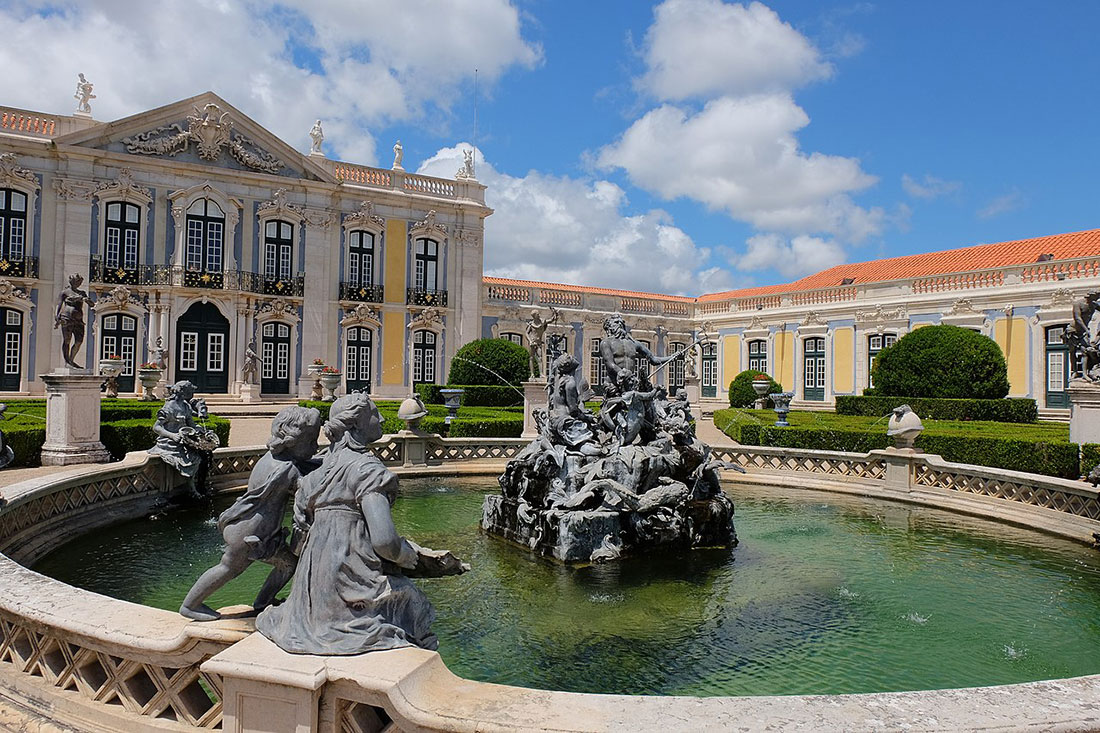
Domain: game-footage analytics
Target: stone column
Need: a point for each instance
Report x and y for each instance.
(72, 419)
(322, 262)
(1084, 411)
(534, 396)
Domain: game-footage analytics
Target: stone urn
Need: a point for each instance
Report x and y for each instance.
(149, 377)
(904, 427)
(760, 385)
(782, 402)
(111, 367)
(452, 399)
(330, 380)
(314, 370)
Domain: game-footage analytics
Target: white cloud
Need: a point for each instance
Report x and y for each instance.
(741, 155)
(792, 258)
(700, 48)
(353, 63)
(1011, 201)
(929, 187)
(562, 229)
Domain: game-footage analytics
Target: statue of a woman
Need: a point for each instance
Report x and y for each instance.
(180, 443)
(70, 319)
(351, 591)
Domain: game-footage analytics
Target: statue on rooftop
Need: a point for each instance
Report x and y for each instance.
(253, 526)
(83, 95)
(352, 591)
(316, 137)
(398, 156)
(1083, 340)
(70, 319)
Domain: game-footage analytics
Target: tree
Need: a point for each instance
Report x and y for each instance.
(490, 361)
(941, 361)
(741, 392)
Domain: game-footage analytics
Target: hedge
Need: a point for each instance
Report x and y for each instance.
(472, 422)
(1042, 448)
(741, 392)
(1090, 457)
(1009, 409)
(473, 395)
(490, 361)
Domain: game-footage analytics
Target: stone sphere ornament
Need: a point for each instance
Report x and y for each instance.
(904, 427)
(412, 411)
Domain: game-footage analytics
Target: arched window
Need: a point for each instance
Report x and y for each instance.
(11, 341)
(120, 242)
(813, 352)
(278, 256)
(1058, 367)
(360, 258)
(205, 239)
(424, 354)
(426, 265)
(758, 355)
(13, 225)
(358, 350)
(876, 343)
(119, 338)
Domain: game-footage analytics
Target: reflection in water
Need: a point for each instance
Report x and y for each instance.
(824, 594)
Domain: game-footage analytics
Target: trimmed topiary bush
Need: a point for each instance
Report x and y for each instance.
(473, 395)
(490, 361)
(741, 392)
(1008, 409)
(942, 361)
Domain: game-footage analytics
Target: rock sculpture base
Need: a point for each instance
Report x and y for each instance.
(72, 419)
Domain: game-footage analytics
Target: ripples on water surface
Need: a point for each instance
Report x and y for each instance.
(825, 594)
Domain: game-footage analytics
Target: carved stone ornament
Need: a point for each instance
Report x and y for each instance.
(962, 306)
(123, 187)
(278, 307)
(881, 313)
(756, 324)
(117, 299)
(73, 189)
(429, 224)
(1061, 297)
(11, 173)
(426, 318)
(211, 130)
(364, 216)
(280, 207)
(10, 292)
(467, 238)
(812, 319)
(362, 313)
(466, 172)
(513, 313)
(320, 218)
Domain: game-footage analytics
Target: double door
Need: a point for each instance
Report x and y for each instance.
(202, 337)
(275, 359)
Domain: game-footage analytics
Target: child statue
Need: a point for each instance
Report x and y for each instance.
(352, 592)
(253, 526)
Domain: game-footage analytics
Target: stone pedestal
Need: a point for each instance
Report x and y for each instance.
(1084, 411)
(72, 418)
(249, 392)
(534, 397)
(267, 689)
(416, 446)
(694, 395)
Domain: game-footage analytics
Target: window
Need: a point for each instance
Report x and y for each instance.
(515, 338)
(597, 371)
(361, 258)
(360, 345)
(278, 250)
(189, 351)
(13, 224)
(426, 265)
(876, 343)
(710, 370)
(205, 234)
(1058, 367)
(676, 368)
(215, 352)
(11, 342)
(120, 248)
(813, 378)
(642, 365)
(758, 355)
(424, 357)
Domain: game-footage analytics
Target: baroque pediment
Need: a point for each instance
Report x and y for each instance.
(205, 130)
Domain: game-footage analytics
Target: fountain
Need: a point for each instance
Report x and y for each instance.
(628, 480)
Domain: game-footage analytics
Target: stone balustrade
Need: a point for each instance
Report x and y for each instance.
(506, 293)
(399, 180)
(89, 662)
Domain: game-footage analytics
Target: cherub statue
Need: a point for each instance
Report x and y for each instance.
(83, 95)
(253, 526)
(70, 319)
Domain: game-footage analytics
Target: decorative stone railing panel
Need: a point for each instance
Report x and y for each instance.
(849, 465)
(959, 281)
(561, 297)
(362, 174)
(475, 449)
(829, 295)
(1066, 270)
(25, 124)
(430, 186)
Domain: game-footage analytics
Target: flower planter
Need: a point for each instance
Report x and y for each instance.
(149, 379)
(331, 383)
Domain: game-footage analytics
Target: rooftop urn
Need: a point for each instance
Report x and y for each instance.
(760, 384)
(782, 402)
(904, 427)
(412, 411)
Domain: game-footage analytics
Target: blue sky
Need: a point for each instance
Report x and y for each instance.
(685, 146)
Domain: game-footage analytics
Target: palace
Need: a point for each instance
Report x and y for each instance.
(198, 231)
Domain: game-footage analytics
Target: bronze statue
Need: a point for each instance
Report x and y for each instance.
(1083, 344)
(70, 319)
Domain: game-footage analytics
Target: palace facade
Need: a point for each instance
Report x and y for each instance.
(198, 231)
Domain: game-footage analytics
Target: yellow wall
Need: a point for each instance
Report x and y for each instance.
(393, 346)
(784, 359)
(396, 255)
(731, 360)
(844, 354)
(1011, 335)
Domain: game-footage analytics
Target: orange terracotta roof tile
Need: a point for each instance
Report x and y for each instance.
(584, 289)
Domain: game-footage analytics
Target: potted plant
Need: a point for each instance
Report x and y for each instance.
(330, 378)
(149, 374)
(110, 367)
(314, 368)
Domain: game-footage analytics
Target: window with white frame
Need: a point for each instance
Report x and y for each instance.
(278, 249)
(189, 351)
(360, 258)
(676, 367)
(813, 352)
(515, 338)
(758, 355)
(13, 224)
(1058, 366)
(121, 236)
(597, 370)
(426, 264)
(215, 352)
(424, 354)
(876, 342)
(205, 236)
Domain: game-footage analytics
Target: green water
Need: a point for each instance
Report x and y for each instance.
(825, 594)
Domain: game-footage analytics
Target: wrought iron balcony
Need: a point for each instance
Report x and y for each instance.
(361, 293)
(214, 279)
(98, 272)
(289, 286)
(19, 267)
(421, 296)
